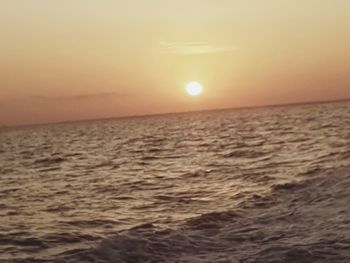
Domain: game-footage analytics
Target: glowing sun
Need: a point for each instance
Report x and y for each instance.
(194, 88)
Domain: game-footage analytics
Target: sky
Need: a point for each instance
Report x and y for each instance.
(68, 60)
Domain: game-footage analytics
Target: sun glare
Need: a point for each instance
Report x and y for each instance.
(194, 88)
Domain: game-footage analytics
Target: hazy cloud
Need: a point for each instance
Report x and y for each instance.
(80, 97)
(194, 48)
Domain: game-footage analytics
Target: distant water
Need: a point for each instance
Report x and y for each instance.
(170, 188)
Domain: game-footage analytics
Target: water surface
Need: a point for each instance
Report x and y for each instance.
(67, 187)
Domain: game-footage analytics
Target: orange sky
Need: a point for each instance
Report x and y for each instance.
(66, 60)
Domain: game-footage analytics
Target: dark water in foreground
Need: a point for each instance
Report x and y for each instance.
(252, 185)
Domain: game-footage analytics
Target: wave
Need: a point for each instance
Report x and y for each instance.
(49, 161)
(304, 221)
(245, 154)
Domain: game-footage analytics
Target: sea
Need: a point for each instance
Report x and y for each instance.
(265, 184)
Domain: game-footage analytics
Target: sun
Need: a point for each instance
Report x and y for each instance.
(194, 88)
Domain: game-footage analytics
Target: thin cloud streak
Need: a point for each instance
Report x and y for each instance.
(81, 97)
(194, 48)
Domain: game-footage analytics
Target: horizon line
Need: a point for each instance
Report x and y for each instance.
(175, 112)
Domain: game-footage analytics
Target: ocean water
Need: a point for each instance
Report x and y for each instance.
(244, 185)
